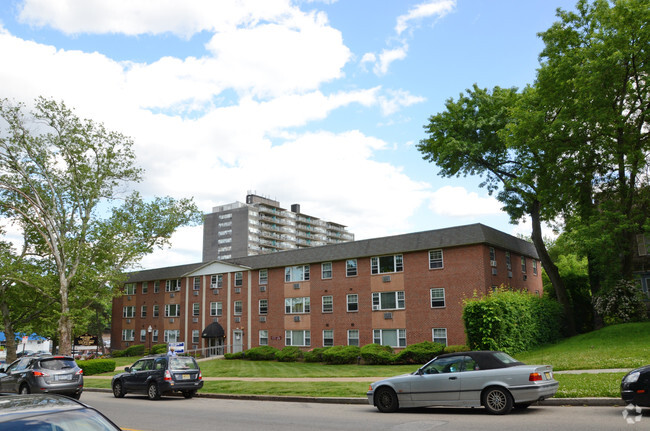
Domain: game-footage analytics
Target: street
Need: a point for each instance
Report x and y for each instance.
(171, 413)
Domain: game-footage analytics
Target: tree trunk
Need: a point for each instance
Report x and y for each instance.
(551, 269)
(9, 333)
(65, 323)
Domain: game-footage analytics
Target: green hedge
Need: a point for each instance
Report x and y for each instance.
(315, 355)
(455, 348)
(261, 353)
(419, 353)
(341, 355)
(238, 355)
(136, 350)
(511, 321)
(92, 367)
(376, 354)
(289, 354)
(158, 348)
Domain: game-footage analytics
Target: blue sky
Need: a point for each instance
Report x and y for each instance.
(319, 103)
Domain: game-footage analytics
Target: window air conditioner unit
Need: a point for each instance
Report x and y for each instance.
(494, 271)
(216, 319)
(509, 274)
(237, 289)
(171, 295)
(213, 286)
(215, 291)
(195, 320)
(388, 316)
(386, 278)
(375, 307)
(262, 318)
(262, 288)
(493, 263)
(296, 318)
(296, 285)
(237, 319)
(128, 320)
(525, 277)
(196, 293)
(128, 298)
(171, 320)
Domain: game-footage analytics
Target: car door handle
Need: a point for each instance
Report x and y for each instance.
(453, 378)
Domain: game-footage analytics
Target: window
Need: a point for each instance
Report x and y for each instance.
(196, 309)
(264, 337)
(353, 302)
(238, 308)
(156, 286)
(439, 335)
(493, 257)
(508, 262)
(172, 335)
(386, 264)
(128, 334)
(328, 304)
(216, 309)
(353, 337)
(437, 297)
(129, 289)
(297, 338)
(143, 311)
(172, 310)
(143, 335)
(326, 270)
(264, 306)
(523, 264)
(154, 336)
(388, 300)
(534, 267)
(197, 283)
(195, 336)
(145, 287)
(239, 279)
(156, 311)
(390, 337)
(172, 285)
(328, 338)
(296, 273)
(350, 267)
(216, 280)
(264, 276)
(128, 311)
(296, 305)
(435, 259)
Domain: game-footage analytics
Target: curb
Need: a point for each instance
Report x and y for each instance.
(557, 402)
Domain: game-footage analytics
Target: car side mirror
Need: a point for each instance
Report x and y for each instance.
(127, 369)
(2, 370)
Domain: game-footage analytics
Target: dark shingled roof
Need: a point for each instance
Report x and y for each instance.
(427, 240)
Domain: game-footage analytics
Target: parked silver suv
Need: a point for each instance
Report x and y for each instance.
(41, 374)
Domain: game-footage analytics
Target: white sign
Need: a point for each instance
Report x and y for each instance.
(178, 347)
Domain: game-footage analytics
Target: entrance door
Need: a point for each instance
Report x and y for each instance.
(237, 341)
(215, 346)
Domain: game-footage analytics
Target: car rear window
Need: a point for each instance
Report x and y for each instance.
(505, 358)
(183, 363)
(57, 364)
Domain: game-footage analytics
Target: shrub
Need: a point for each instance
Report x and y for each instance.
(376, 354)
(289, 354)
(158, 348)
(511, 321)
(136, 350)
(117, 353)
(315, 355)
(341, 355)
(455, 348)
(96, 366)
(261, 353)
(238, 355)
(419, 353)
(622, 303)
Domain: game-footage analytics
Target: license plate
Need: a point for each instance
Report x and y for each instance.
(548, 375)
(185, 377)
(63, 377)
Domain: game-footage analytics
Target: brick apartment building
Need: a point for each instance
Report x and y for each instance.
(396, 290)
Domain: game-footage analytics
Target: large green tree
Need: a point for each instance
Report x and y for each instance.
(65, 182)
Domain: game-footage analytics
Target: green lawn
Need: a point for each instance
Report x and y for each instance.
(620, 346)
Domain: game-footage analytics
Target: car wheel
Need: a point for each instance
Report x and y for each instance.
(153, 392)
(497, 401)
(522, 406)
(24, 389)
(118, 389)
(189, 394)
(386, 400)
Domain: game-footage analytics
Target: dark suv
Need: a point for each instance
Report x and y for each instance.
(158, 375)
(41, 374)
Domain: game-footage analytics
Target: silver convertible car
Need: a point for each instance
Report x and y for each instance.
(467, 379)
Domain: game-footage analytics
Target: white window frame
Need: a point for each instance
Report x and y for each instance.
(238, 308)
(156, 286)
(353, 337)
(216, 309)
(523, 264)
(328, 337)
(128, 311)
(296, 273)
(196, 309)
(145, 287)
(387, 264)
(439, 337)
(128, 334)
(239, 279)
(155, 311)
(399, 296)
(508, 261)
(327, 304)
(195, 336)
(289, 337)
(263, 337)
(129, 289)
(196, 285)
(170, 307)
(436, 259)
(534, 266)
(300, 305)
(216, 281)
(173, 285)
(326, 270)
(350, 296)
(351, 268)
(172, 335)
(263, 309)
(143, 311)
(143, 335)
(378, 337)
(264, 276)
(436, 291)
(154, 336)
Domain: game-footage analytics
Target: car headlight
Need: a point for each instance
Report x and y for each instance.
(632, 377)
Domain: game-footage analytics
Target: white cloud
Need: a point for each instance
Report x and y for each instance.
(437, 8)
(397, 99)
(388, 56)
(458, 202)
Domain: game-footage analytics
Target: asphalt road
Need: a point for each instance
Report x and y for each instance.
(170, 413)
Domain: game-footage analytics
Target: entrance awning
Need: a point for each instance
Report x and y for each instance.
(213, 330)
